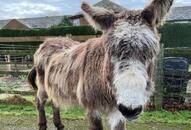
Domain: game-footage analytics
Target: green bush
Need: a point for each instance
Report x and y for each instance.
(58, 31)
(176, 35)
(65, 22)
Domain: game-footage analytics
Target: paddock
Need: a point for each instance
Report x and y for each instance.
(16, 61)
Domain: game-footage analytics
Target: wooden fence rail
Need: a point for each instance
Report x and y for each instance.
(41, 38)
(16, 62)
(10, 46)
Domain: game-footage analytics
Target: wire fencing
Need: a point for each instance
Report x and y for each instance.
(15, 59)
(173, 84)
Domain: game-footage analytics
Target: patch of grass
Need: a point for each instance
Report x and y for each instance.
(162, 116)
(179, 117)
(10, 85)
(6, 109)
(29, 98)
(22, 110)
(73, 113)
(28, 109)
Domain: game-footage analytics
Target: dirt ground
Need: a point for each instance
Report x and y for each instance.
(30, 123)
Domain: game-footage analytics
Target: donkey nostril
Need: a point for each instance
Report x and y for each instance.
(129, 112)
(138, 110)
(122, 108)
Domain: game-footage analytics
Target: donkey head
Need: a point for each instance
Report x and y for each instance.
(133, 45)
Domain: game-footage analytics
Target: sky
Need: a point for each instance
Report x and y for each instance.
(39, 8)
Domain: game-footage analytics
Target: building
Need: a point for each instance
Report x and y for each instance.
(28, 23)
(180, 14)
(15, 24)
(78, 19)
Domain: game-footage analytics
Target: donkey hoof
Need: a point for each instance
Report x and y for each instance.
(42, 127)
(60, 127)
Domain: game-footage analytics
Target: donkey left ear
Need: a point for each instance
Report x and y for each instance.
(155, 12)
(101, 18)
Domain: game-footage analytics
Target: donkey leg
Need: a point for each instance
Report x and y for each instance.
(116, 120)
(56, 117)
(41, 114)
(40, 103)
(95, 120)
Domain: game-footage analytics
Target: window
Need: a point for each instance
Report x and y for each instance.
(76, 22)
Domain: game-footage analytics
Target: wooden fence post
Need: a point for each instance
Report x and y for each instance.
(8, 60)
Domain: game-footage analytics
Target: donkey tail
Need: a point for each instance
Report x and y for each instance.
(32, 78)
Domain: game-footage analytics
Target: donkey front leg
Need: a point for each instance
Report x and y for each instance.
(95, 120)
(116, 120)
(56, 117)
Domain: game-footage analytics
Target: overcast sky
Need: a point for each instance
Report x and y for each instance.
(36, 8)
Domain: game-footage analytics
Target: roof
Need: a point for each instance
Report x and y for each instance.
(15, 24)
(177, 14)
(40, 22)
(180, 14)
(3, 23)
(108, 4)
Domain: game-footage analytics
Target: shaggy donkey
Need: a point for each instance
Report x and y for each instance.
(111, 74)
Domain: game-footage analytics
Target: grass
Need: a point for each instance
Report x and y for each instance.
(26, 110)
(11, 85)
(30, 109)
(181, 117)
(162, 116)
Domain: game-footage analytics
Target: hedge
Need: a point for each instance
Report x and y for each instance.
(176, 35)
(60, 31)
(173, 34)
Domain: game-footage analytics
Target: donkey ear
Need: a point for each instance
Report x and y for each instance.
(102, 19)
(156, 11)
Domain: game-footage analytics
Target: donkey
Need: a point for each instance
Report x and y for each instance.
(112, 74)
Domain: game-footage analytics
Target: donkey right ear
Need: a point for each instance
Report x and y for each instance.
(101, 18)
(156, 11)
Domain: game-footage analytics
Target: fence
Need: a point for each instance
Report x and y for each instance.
(16, 52)
(172, 82)
(16, 59)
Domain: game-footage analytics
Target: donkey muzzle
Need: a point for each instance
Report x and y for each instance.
(129, 113)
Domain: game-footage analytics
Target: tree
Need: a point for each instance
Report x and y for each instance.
(65, 22)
